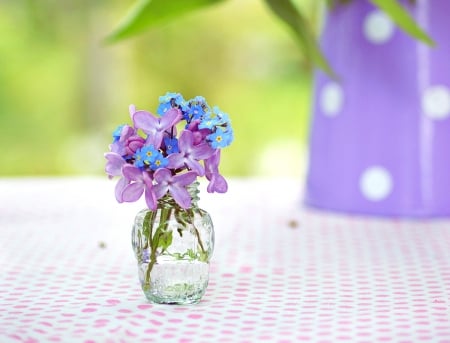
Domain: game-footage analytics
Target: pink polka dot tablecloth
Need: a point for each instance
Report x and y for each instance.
(280, 272)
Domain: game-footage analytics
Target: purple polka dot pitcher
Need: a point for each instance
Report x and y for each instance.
(380, 132)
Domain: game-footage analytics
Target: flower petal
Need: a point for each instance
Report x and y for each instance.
(114, 165)
(150, 199)
(202, 151)
(170, 118)
(147, 180)
(160, 190)
(131, 109)
(185, 179)
(212, 163)
(121, 184)
(195, 166)
(132, 172)
(133, 192)
(181, 196)
(150, 139)
(127, 131)
(175, 160)
(186, 140)
(217, 184)
(145, 120)
(162, 175)
(157, 139)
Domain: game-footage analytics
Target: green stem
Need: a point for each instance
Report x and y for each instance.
(149, 270)
(197, 233)
(165, 223)
(154, 241)
(199, 240)
(147, 226)
(149, 229)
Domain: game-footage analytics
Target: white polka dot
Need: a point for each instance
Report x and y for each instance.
(378, 27)
(375, 183)
(331, 99)
(436, 102)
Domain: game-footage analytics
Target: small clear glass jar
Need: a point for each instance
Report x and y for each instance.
(173, 247)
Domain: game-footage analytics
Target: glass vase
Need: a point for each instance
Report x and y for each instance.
(173, 247)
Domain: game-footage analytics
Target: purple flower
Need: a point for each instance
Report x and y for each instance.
(199, 134)
(217, 182)
(131, 109)
(133, 144)
(175, 185)
(139, 182)
(190, 154)
(154, 127)
(150, 157)
(117, 132)
(114, 168)
(114, 164)
(120, 186)
(119, 144)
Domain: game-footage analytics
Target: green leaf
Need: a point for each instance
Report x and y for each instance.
(403, 19)
(165, 240)
(192, 255)
(183, 218)
(177, 256)
(147, 13)
(162, 239)
(292, 16)
(203, 256)
(146, 224)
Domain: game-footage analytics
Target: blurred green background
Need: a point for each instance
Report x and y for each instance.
(62, 91)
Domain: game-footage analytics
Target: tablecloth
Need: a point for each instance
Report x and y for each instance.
(279, 273)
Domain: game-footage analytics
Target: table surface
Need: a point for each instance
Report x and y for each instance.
(279, 273)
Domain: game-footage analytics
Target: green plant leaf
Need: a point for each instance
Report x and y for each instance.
(203, 256)
(147, 13)
(165, 240)
(183, 218)
(292, 16)
(403, 19)
(146, 224)
(162, 238)
(192, 255)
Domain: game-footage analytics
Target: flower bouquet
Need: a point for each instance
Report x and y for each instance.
(161, 156)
